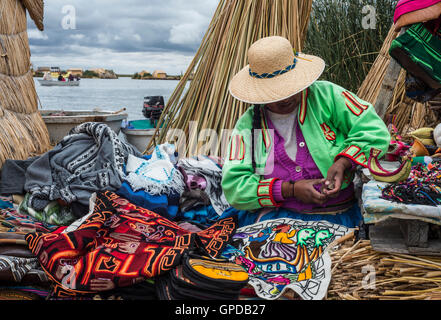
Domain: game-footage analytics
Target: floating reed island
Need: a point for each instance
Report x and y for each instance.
(23, 132)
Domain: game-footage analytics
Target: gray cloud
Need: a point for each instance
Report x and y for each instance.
(126, 36)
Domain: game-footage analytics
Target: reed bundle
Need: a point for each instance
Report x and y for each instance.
(23, 132)
(370, 88)
(223, 52)
(406, 114)
(36, 11)
(397, 276)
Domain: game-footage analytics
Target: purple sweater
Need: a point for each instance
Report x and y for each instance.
(304, 168)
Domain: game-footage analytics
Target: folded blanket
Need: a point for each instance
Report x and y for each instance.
(91, 158)
(419, 52)
(164, 205)
(158, 175)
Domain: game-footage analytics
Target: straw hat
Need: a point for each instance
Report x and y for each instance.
(275, 72)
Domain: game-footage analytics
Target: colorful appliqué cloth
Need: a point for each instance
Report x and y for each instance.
(158, 175)
(119, 245)
(285, 253)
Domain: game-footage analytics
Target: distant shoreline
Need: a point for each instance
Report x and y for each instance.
(128, 76)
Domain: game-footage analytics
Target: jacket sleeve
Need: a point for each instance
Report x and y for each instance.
(244, 189)
(362, 127)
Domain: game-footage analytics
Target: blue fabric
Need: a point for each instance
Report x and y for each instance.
(205, 215)
(5, 203)
(350, 218)
(166, 206)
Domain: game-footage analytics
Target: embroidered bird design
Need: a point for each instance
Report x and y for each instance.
(320, 236)
(302, 257)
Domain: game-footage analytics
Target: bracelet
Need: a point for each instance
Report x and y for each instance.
(292, 182)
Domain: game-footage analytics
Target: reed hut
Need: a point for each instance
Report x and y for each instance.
(405, 113)
(23, 132)
(205, 103)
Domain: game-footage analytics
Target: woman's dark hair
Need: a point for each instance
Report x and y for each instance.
(257, 125)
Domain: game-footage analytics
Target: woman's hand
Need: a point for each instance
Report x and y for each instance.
(334, 181)
(304, 191)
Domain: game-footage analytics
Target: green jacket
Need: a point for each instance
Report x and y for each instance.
(334, 123)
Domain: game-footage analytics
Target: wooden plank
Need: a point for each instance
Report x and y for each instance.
(387, 88)
(386, 93)
(388, 237)
(416, 233)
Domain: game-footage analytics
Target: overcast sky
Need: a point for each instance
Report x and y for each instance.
(127, 36)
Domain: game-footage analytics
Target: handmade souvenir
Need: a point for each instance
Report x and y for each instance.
(286, 253)
(203, 279)
(381, 174)
(119, 245)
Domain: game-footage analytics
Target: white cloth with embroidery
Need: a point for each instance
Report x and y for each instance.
(157, 176)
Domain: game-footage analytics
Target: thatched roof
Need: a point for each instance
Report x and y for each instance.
(23, 132)
(36, 11)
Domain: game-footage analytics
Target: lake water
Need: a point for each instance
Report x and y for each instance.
(112, 95)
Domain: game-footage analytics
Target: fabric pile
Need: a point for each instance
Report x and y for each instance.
(119, 245)
(93, 219)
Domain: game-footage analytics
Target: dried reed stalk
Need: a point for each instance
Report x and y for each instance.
(223, 52)
(370, 88)
(12, 17)
(36, 11)
(397, 276)
(23, 132)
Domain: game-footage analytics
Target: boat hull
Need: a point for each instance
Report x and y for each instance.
(53, 83)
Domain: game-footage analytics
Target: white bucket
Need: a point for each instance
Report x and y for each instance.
(139, 138)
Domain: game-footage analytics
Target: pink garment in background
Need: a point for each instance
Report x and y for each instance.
(406, 6)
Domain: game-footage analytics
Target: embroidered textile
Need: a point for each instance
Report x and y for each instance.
(119, 245)
(285, 253)
(91, 158)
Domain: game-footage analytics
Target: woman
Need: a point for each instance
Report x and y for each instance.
(309, 136)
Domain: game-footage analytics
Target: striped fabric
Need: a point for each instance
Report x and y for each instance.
(422, 48)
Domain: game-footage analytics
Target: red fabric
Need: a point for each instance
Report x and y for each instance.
(118, 245)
